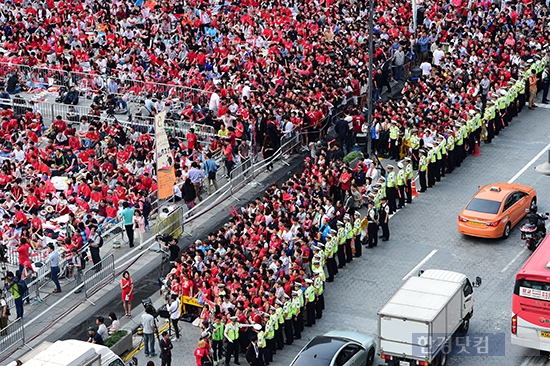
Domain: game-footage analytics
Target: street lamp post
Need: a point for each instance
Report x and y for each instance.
(545, 167)
(369, 94)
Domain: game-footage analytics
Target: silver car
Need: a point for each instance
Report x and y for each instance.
(337, 348)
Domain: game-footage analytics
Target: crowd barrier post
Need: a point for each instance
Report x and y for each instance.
(99, 275)
(12, 335)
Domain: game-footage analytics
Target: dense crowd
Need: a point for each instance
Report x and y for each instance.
(260, 278)
(259, 71)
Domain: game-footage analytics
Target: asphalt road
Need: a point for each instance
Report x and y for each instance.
(424, 236)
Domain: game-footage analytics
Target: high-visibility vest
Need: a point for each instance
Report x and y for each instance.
(438, 152)
(281, 315)
(415, 142)
(422, 163)
(390, 181)
(318, 284)
(394, 132)
(232, 331)
(451, 143)
(301, 298)
(433, 157)
(296, 304)
(409, 171)
(357, 227)
(261, 339)
(310, 293)
(349, 230)
(341, 236)
(288, 309)
(443, 146)
(217, 334)
(401, 178)
(334, 245)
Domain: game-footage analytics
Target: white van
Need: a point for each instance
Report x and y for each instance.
(72, 353)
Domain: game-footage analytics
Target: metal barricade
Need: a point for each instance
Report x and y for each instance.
(12, 336)
(172, 224)
(99, 275)
(44, 77)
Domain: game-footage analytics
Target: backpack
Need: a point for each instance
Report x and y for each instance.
(83, 260)
(146, 208)
(22, 287)
(100, 241)
(373, 132)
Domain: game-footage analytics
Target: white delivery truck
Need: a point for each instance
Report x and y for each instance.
(72, 353)
(416, 324)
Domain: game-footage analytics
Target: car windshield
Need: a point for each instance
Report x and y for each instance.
(485, 206)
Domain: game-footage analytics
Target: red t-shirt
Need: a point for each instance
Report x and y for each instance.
(23, 251)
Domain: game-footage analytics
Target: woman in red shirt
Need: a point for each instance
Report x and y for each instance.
(187, 286)
(202, 352)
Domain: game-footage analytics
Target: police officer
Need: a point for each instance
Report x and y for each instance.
(319, 286)
(415, 147)
(422, 168)
(357, 234)
(438, 158)
(288, 313)
(341, 235)
(401, 182)
(443, 151)
(279, 317)
(297, 320)
(231, 333)
(408, 177)
(372, 228)
(348, 232)
(450, 151)
(309, 295)
(270, 330)
(391, 188)
(329, 255)
(301, 303)
(394, 140)
(383, 219)
(431, 157)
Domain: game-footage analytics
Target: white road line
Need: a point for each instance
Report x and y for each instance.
(518, 174)
(514, 259)
(415, 269)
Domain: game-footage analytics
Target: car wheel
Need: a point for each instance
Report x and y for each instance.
(533, 203)
(507, 230)
(370, 357)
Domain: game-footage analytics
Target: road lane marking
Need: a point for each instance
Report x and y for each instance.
(514, 259)
(415, 269)
(518, 174)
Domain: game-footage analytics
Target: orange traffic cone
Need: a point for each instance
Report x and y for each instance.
(476, 150)
(413, 188)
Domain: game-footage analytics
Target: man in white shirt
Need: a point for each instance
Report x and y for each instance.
(102, 328)
(174, 310)
(214, 103)
(438, 55)
(426, 68)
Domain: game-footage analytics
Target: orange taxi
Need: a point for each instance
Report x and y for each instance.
(495, 210)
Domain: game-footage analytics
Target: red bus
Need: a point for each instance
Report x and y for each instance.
(531, 301)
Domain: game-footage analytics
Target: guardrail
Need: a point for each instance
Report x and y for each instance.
(120, 84)
(12, 336)
(99, 275)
